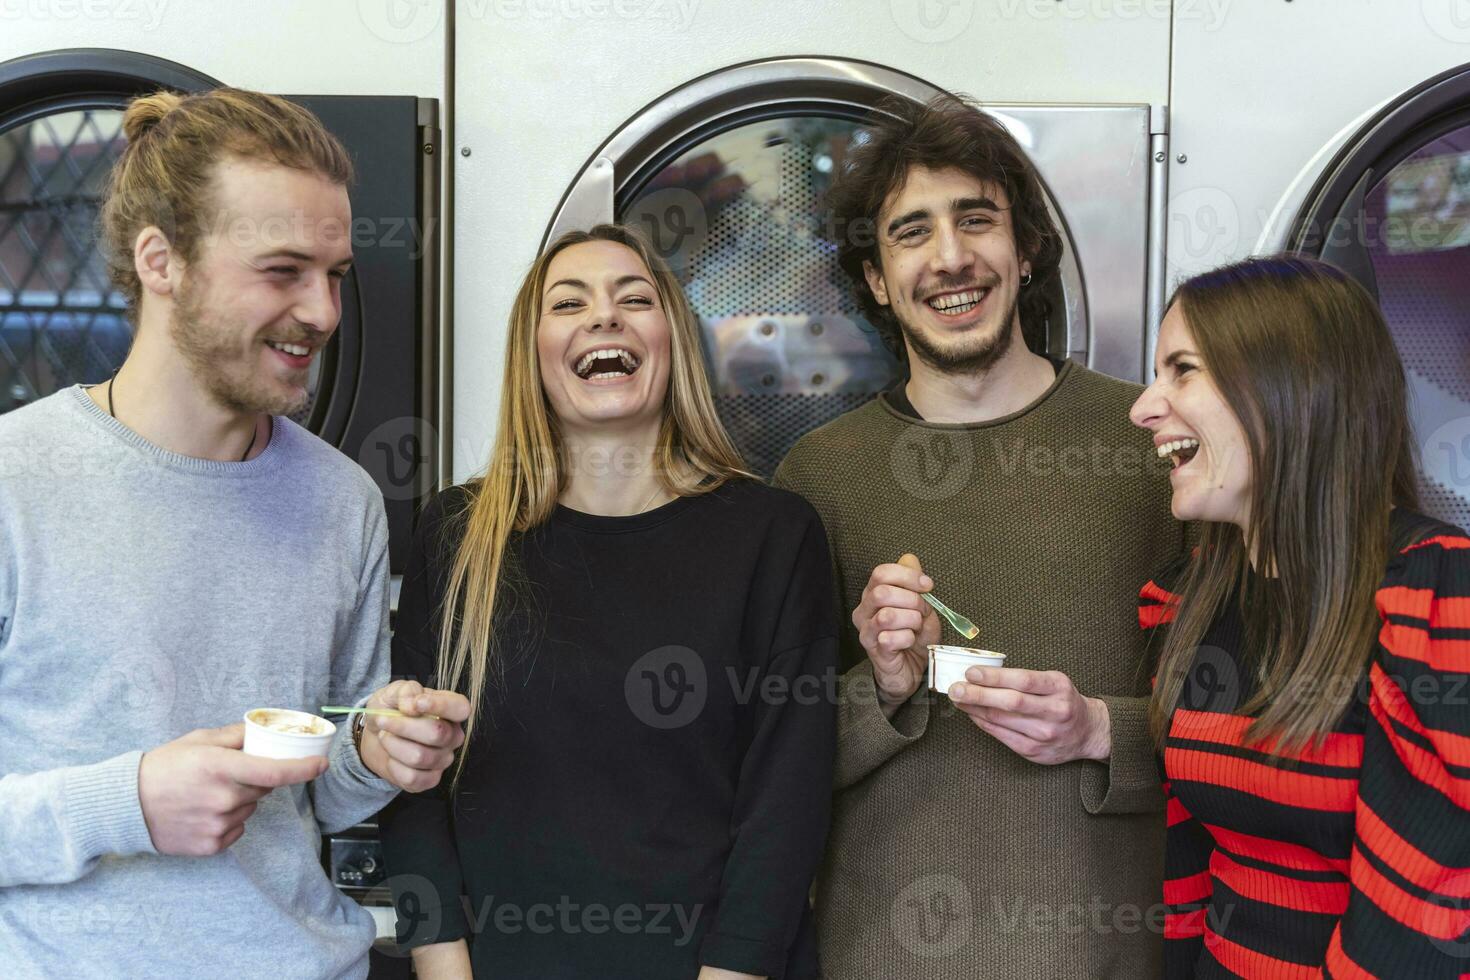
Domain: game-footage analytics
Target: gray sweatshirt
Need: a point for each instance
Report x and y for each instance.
(144, 594)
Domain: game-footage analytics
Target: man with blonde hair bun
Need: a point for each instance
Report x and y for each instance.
(174, 552)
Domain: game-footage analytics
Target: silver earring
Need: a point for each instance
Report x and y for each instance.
(1026, 280)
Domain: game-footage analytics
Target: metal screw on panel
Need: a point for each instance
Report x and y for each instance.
(465, 152)
(1159, 156)
(818, 378)
(767, 327)
(1182, 158)
(429, 149)
(816, 328)
(768, 380)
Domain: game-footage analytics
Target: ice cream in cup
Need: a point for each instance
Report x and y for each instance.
(947, 665)
(279, 733)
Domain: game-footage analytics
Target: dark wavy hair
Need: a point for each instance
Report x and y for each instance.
(948, 132)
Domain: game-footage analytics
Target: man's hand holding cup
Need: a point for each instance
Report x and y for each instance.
(1038, 714)
(197, 791)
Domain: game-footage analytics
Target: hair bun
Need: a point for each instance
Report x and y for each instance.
(145, 112)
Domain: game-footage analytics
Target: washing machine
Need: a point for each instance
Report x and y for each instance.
(1354, 148)
(726, 176)
(1393, 208)
(375, 387)
(717, 128)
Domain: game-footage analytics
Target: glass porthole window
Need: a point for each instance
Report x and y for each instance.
(728, 175)
(1393, 209)
(1421, 261)
(60, 321)
(739, 216)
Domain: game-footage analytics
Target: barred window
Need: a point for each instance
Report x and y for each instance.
(61, 323)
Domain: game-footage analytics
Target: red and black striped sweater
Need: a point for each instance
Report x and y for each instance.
(1351, 859)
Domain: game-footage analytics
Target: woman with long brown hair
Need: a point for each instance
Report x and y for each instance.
(1310, 698)
(645, 633)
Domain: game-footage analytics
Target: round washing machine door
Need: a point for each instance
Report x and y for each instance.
(1393, 209)
(726, 177)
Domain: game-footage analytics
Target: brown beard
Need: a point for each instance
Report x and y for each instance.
(209, 344)
(969, 360)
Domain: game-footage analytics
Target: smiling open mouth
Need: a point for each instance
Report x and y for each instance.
(614, 362)
(295, 355)
(1179, 452)
(954, 304)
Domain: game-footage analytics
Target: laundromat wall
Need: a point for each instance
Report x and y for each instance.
(1260, 104)
(333, 48)
(537, 95)
(1258, 92)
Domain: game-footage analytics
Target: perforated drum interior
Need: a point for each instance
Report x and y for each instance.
(1418, 239)
(740, 218)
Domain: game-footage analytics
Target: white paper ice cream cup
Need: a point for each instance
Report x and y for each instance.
(262, 737)
(947, 665)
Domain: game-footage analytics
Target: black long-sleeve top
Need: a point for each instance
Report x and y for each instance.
(648, 790)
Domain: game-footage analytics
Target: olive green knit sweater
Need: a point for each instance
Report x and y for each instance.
(950, 856)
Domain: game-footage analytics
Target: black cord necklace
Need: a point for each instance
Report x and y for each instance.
(113, 380)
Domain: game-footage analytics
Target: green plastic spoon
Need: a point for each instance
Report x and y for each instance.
(331, 709)
(962, 625)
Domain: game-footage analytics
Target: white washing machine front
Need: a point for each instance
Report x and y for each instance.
(1344, 133)
(727, 177)
(570, 113)
(1392, 207)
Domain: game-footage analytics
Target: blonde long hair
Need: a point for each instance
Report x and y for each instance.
(527, 471)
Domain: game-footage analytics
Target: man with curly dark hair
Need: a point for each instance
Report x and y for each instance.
(1010, 825)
